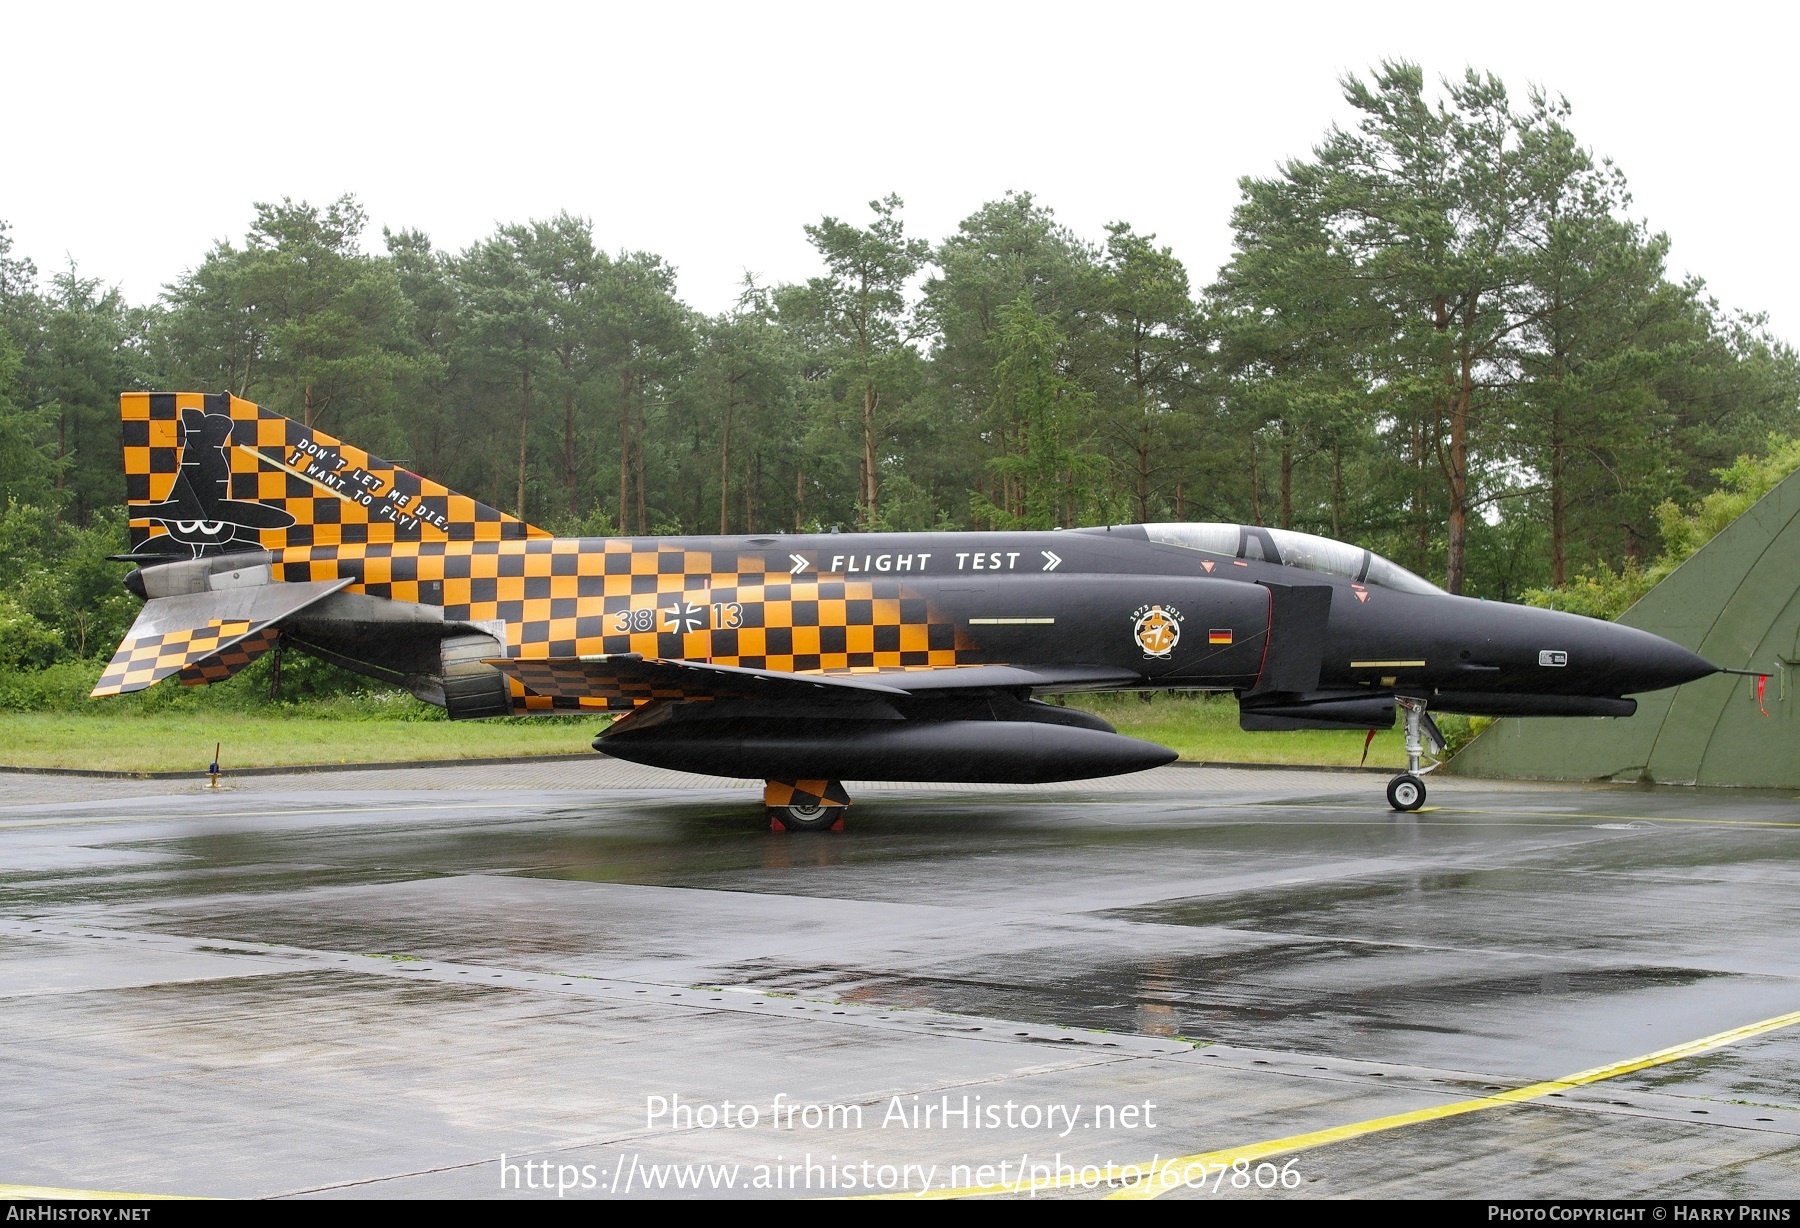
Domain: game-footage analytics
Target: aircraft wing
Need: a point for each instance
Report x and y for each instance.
(208, 636)
(627, 681)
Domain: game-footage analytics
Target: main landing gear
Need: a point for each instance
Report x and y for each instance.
(1406, 792)
(805, 805)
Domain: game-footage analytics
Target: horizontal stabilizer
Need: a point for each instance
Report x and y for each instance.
(230, 659)
(173, 633)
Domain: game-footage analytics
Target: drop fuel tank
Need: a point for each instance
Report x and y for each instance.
(975, 752)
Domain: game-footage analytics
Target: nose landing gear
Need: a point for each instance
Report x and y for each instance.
(1406, 792)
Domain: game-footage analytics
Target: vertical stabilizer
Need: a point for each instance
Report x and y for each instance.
(211, 474)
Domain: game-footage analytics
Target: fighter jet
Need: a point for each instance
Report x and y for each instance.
(805, 660)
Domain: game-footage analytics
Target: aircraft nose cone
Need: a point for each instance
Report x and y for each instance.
(1645, 662)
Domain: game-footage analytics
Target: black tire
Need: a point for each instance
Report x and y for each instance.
(807, 818)
(1406, 792)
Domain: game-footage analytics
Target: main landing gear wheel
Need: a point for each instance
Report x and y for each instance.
(805, 805)
(1406, 792)
(814, 817)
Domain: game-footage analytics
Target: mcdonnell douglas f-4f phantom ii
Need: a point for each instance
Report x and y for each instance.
(804, 660)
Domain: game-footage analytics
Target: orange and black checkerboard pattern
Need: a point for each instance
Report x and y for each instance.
(140, 662)
(335, 492)
(615, 687)
(399, 536)
(228, 661)
(572, 597)
(804, 793)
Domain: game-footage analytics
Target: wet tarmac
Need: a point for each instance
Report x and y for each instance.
(379, 983)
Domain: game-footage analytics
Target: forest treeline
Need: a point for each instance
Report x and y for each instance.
(1442, 335)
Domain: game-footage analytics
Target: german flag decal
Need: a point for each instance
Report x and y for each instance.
(1219, 635)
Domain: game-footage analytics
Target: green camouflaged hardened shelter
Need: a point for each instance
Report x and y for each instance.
(1737, 603)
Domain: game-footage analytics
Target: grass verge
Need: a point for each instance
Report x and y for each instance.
(1204, 728)
(184, 741)
(173, 739)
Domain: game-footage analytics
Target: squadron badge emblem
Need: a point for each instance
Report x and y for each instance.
(1157, 629)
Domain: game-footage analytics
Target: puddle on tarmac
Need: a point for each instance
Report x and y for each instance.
(1298, 992)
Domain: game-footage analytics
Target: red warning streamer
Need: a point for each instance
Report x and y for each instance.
(1762, 683)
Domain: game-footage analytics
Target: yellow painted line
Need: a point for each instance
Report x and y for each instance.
(19, 1192)
(1157, 1170)
(1387, 665)
(1518, 1095)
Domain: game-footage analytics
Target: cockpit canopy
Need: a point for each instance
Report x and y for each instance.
(1254, 543)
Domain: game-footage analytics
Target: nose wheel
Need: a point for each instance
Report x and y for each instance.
(1406, 792)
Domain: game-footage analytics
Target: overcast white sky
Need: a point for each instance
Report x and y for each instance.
(137, 135)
